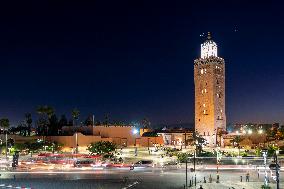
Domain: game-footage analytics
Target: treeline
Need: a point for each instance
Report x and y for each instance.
(49, 123)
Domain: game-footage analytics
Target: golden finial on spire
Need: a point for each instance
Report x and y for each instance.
(209, 35)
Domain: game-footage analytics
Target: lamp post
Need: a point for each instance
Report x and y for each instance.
(149, 145)
(6, 138)
(76, 139)
(217, 162)
(185, 139)
(186, 172)
(276, 168)
(135, 131)
(264, 153)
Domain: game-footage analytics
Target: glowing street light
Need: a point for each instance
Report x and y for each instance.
(260, 131)
(135, 131)
(249, 131)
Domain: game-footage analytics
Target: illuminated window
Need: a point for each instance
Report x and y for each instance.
(201, 71)
(204, 111)
(202, 91)
(221, 111)
(204, 105)
(205, 90)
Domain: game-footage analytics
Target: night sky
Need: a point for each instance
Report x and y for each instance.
(134, 59)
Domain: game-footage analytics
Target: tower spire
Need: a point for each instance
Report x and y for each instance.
(209, 47)
(209, 35)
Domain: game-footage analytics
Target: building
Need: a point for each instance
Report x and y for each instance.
(209, 81)
(122, 136)
(176, 137)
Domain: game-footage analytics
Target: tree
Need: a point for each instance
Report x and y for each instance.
(271, 150)
(89, 121)
(198, 142)
(101, 148)
(29, 121)
(5, 123)
(62, 122)
(106, 121)
(41, 126)
(236, 142)
(22, 129)
(146, 123)
(183, 157)
(34, 146)
(45, 113)
(75, 116)
(237, 139)
(53, 125)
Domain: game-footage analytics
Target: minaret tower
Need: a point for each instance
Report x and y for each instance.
(209, 81)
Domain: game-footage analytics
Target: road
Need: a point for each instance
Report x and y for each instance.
(139, 178)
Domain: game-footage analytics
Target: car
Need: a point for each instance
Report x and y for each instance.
(273, 166)
(143, 163)
(171, 163)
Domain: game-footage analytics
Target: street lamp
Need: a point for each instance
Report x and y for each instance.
(217, 162)
(149, 145)
(76, 139)
(276, 168)
(6, 138)
(134, 132)
(264, 153)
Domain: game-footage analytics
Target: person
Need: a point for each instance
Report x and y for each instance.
(210, 179)
(200, 187)
(241, 178)
(217, 178)
(247, 177)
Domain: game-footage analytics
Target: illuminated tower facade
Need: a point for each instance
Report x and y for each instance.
(209, 82)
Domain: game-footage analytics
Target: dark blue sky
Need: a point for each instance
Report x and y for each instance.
(134, 59)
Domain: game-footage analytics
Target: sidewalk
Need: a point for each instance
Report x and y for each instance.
(229, 184)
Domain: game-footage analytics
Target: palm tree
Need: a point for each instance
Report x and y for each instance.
(5, 124)
(45, 113)
(75, 115)
(146, 123)
(29, 121)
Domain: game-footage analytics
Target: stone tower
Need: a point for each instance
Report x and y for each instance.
(209, 81)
